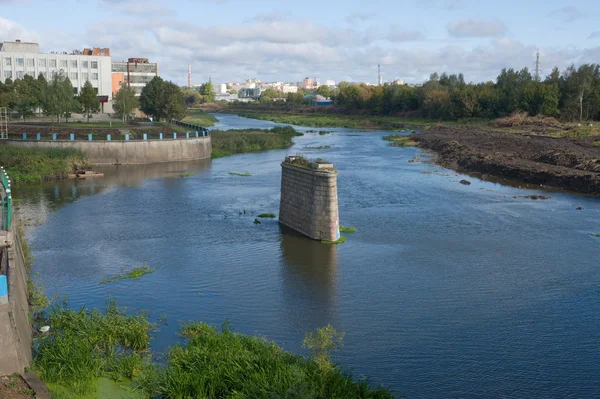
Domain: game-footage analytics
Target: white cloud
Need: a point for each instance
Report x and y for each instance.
(466, 28)
(10, 30)
(595, 35)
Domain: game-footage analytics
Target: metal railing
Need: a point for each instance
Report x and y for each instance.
(196, 128)
(5, 201)
(139, 136)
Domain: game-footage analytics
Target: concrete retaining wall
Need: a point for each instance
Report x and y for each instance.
(15, 330)
(309, 202)
(130, 152)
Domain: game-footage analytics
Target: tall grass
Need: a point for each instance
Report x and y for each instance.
(229, 142)
(85, 345)
(200, 118)
(34, 165)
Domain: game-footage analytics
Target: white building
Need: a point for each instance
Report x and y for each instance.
(289, 89)
(135, 73)
(18, 59)
(330, 82)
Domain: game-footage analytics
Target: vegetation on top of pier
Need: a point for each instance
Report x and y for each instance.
(86, 345)
(347, 229)
(34, 165)
(338, 241)
(246, 174)
(267, 215)
(229, 142)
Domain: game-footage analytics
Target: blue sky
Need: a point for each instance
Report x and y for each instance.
(328, 39)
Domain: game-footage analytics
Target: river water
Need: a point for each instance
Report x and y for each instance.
(445, 290)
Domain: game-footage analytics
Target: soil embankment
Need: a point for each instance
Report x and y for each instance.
(570, 164)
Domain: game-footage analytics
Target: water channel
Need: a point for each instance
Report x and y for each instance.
(445, 290)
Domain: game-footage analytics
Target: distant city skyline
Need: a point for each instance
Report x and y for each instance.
(228, 40)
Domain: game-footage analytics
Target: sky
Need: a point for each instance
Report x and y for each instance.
(342, 40)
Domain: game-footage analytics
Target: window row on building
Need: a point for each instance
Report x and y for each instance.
(49, 63)
(85, 76)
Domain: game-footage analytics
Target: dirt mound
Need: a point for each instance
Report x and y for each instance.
(523, 119)
(570, 164)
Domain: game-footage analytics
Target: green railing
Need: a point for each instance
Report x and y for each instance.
(5, 200)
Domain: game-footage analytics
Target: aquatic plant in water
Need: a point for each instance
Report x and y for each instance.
(266, 215)
(134, 273)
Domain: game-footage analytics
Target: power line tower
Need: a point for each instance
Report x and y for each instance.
(3, 123)
(537, 69)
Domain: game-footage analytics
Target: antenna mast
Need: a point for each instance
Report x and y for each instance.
(537, 66)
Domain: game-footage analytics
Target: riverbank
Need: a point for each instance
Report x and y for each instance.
(230, 142)
(571, 164)
(200, 118)
(35, 165)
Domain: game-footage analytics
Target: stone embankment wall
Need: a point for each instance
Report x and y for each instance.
(309, 202)
(130, 152)
(15, 330)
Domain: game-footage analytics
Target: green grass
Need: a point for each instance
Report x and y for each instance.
(595, 235)
(347, 229)
(84, 345)
(323, 132)
(229, 142)
(184, 175)
(34, 165)
(90, 353)
(267, 215)
(321, 147)
(135, 273)
(596, 143)
(200, 118)
(339, 241)
(240, 174)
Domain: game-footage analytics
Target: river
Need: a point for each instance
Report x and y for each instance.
(445, 290)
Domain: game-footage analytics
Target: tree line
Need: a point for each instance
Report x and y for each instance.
(573, 95)
(54, 98)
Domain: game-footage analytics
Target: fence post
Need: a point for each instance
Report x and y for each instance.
(72, 136)
(89, 137)
(145, 136)
(174, 136)
(38, 137)
(160, 136)
(53, 136)
(187, 135)
(127, 137)
(108, 137)
(24, 136)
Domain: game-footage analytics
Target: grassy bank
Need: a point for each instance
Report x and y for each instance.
(229, 142)
(200, 118)
(34, 165)
(85, 346)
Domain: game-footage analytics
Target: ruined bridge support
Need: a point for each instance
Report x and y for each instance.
(309, 202)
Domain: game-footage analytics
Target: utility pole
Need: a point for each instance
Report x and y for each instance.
(537, 67)
(379, 78)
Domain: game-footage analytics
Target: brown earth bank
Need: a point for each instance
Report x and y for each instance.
(571, 164)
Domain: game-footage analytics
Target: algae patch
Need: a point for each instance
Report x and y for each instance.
(134, 274)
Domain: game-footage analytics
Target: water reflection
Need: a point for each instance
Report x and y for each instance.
(309, 279)
(35, 203)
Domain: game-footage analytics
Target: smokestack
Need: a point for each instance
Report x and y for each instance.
(380, 79)
(189, 75)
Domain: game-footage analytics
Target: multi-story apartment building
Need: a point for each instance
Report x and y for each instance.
(136, 73)
(18, 59)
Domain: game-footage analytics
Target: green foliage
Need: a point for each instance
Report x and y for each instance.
(267, 215)
(231, 142)
(207, 91)
(89, 100)
(240, 174)
(325, 91)
(595, 235)
(200, 118)
(33, 165)
(321, 343)
(59, 100)
(341, 240)
(347, 229)
(401, 140)
(83, 345)
(184, 175)
(163, 100)
(125, 101)
(135, 274)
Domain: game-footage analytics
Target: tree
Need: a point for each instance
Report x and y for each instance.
(125, 101)
(207, 91)
(270, 93)
(59, 99)
(89, 100)
(325, 91)
(162, 100)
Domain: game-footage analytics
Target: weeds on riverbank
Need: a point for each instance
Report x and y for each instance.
(184, 175)
(34, 165)
(347, 229)
(135, 273)
(340, 240)
(85, 345)
(229, 142)
(197, 117)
